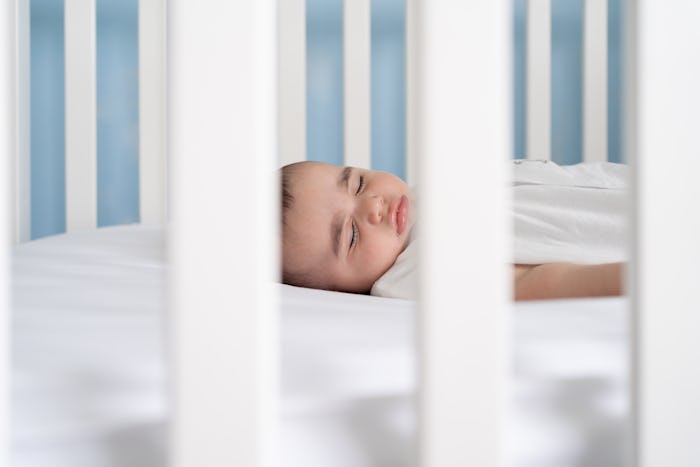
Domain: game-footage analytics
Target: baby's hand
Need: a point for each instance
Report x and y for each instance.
(566, 280)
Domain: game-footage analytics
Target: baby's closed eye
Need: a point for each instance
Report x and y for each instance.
(354, 234)
(360, 185)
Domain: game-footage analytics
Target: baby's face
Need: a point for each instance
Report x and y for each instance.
(346, 225)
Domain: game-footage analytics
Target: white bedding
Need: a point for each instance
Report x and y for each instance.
(89, 371)
(574, 214)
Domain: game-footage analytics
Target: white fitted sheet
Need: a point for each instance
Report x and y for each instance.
(89, 370)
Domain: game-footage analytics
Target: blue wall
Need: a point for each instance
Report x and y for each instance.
(567, 84)
(47, 119)
(325, 83)
(389, 86)
(117, 97)
(117, 115)
(615, 80)
(324, 80)
(519, 70)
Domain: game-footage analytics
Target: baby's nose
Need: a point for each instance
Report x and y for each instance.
(374, 206)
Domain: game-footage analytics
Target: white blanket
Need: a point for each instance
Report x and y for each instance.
(573, 214)
(90, 371)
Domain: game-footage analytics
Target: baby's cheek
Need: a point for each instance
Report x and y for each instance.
(380, 258)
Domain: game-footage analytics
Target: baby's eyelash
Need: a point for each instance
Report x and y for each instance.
(355, 233)
(361, 185)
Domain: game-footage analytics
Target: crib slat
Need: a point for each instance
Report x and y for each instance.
(595, 81)
(292, 80)
(665, 281)
(81, 123)
(464, 324)
(152, 90)
(539, 79)
(8, 114)
(222, 140)
(21, 219)
(412, 91)
(356, 82)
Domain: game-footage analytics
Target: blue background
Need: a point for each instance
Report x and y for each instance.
(117, 115)
(117, 97)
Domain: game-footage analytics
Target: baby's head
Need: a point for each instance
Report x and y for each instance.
(342, 227)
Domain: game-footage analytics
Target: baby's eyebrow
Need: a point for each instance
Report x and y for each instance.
(344, 178)
(336, 231)
(337, 224)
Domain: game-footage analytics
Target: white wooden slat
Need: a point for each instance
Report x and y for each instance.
(22, 183)
(152, 109)
(464, 336)
(595, 81)
(412, 100)
(222, 107)
(81, 116)
(292, 80)
(539, 79)
(629, 152)
(8, 129)
(667, 252)
(356, 82)
(630, 100)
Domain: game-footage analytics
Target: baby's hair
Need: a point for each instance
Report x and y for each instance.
(298, 278)
(287, 197)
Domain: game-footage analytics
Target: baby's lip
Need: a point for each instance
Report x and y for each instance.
(399, 214)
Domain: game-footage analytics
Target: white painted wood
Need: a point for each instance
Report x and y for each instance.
(668, 227)
(8, 147)
(22, 166)
(539, 80)
(630, 151)
(152, 111)
(464, 336)
(223, 239)
(292, 80)
(595, 80)
(412, 101)
(81, 116)
(356, 82)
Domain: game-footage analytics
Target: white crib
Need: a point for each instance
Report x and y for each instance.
(229, 64)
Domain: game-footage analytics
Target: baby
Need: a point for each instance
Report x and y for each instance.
(343, 228)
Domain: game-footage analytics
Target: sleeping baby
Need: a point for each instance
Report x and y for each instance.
(353, 230)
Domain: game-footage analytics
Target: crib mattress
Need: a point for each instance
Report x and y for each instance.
(89, 371)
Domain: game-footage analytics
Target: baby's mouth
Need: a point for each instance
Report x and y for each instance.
(399, 214)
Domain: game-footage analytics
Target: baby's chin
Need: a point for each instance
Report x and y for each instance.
(410, 235)
(404, 246)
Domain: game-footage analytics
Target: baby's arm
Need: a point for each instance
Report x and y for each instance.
(562, 280)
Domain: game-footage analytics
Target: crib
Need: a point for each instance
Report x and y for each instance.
(210, 43)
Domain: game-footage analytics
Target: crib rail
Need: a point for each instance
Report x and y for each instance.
(463, 337)
(21, 205)
(81, 115)
(662, 138)
(356, 83)
(539, 79)
(10, 103)
(152, 111)
(595, 80)
(223, 322)
(292, 81)
(80, 91)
